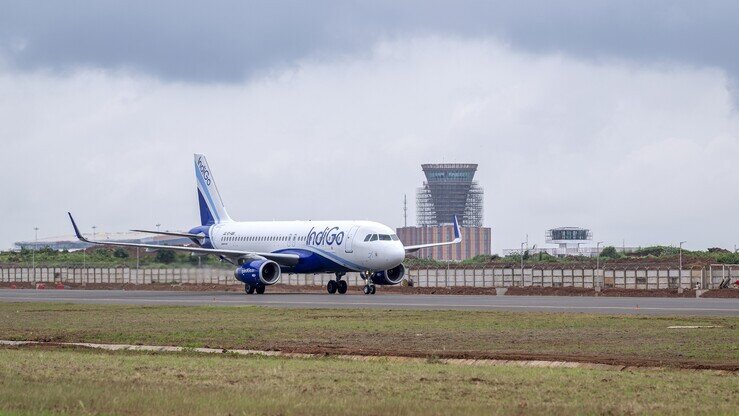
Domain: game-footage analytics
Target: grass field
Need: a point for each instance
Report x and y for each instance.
(629, 340)
(64, 381)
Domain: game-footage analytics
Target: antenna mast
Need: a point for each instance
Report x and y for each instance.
(405, 210)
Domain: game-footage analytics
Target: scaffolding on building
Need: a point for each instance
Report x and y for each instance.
(449, 190)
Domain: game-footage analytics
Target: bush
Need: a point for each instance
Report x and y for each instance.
(120, 253)
(165, 256)
(546, 257)
(47, 251)
(101, 253)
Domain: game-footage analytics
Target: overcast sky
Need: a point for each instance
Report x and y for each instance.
(617, 116)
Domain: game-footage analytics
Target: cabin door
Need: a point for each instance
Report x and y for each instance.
(349, 239)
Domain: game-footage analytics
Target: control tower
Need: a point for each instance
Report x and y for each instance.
(449, 190)
(569, 239)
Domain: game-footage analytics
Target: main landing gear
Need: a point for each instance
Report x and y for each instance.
(337, 285)
(250, 289)
(369, 288)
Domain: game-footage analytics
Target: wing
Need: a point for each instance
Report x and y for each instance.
(280, 258)
(457, 240)
(188, 235)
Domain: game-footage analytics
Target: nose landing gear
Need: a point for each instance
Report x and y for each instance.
(369, 288)
(337, 285)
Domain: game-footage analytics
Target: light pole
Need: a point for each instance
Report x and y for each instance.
(84, 259)
(597, 259)
(158, 227)
(94, 227)
(680, 269)
(522, 244)
(33, 255)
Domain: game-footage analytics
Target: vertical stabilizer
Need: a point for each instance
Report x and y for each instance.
(212, 210)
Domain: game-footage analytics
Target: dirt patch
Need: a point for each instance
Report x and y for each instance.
(722, 294)
(404, 290)
(278, 288)
(474, 355)
(654, 293)
(612, 292)
(128, 286)
(619, 362)
(454, 290)
(550, 291)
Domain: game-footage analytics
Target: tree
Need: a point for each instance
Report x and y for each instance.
(165, 256)
(718, 250)
(609, 252)
(120, 253)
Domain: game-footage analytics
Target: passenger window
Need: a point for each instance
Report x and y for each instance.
(384, 237)
(374, 237)
(368, 237)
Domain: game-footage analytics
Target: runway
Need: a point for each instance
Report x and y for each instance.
(604, 305)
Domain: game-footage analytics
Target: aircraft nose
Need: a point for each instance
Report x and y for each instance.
(398, 253)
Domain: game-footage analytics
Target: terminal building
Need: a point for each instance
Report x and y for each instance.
(71, 242)
(449, 190)
(570, 241)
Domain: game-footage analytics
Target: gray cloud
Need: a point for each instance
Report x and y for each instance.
(637, 152)
(229, 41)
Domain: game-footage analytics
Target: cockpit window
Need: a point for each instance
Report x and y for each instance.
(394, 237)
(368, 237)
(384, 237)
(374, 237)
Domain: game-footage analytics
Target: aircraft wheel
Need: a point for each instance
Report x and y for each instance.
(332, 286)
(373, 289)
(249, 289)
(367, 289)
(342, 286)
(260, 289)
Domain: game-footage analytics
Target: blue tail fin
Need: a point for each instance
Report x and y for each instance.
(212, 210)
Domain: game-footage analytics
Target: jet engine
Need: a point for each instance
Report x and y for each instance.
(258, 272)
(389, 277)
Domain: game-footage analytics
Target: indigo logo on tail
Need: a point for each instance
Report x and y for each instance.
(328, 236)
(204, 171)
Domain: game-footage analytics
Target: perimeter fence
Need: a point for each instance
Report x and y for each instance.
(630, 278)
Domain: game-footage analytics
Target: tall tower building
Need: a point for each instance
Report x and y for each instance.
(449, 190)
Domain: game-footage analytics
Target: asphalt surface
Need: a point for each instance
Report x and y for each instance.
(605, 305)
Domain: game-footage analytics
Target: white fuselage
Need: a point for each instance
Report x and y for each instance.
(332, 246)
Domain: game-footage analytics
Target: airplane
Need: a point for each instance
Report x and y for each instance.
(263, 250)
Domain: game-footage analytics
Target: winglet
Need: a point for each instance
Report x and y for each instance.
(76, 230)
(457, 231)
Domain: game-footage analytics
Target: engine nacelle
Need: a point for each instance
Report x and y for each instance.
(389, 277)
(258, 272)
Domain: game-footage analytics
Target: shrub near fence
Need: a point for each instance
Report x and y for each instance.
(630, 278)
